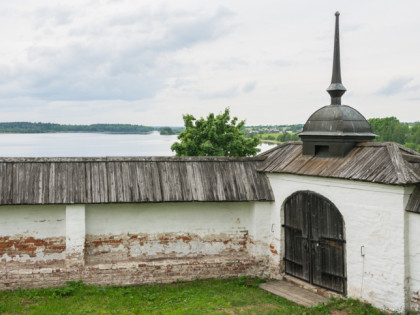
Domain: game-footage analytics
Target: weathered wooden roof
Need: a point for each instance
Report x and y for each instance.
(130, 180)
(376, 162)
(413, 204)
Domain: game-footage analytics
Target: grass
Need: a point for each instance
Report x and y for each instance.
(232, 296)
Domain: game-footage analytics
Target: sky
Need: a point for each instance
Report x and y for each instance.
(150, 62)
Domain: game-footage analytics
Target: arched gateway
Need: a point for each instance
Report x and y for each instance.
(315, 242)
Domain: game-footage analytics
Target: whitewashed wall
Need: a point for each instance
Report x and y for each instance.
(168, 230)
(414, 259)
(374, 218)
(32, 234)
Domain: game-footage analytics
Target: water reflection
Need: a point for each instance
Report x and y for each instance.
(88, 144)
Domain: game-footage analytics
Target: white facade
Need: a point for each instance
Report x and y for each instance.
(375, 225)
(413, 259)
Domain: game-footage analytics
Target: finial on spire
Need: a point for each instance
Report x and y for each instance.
(336, 88)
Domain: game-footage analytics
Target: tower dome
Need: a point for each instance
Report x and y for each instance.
(333, 130)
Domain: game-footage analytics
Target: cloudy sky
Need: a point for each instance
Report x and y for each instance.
(149, 62)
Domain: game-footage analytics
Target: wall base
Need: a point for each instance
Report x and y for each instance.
(133, 273)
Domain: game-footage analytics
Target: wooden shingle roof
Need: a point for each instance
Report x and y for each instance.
(413, 204)
(131, 180)
(376, 162)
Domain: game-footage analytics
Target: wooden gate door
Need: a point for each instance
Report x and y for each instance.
(314, 237)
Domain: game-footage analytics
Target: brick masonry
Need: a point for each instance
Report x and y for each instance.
(27, 250)
(132, 273)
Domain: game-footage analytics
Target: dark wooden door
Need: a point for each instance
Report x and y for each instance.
(314, 238)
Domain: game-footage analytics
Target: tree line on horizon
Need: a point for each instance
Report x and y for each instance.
(387, 129)
(29, 127)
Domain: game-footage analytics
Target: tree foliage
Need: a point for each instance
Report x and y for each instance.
(214, 136)
(391, 129)
(166, 131)
(287, 136)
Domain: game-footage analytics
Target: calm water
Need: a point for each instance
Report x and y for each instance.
(87, 144)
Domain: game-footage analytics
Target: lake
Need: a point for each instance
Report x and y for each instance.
(88, 144)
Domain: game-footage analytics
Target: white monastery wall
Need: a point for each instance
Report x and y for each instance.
(414, 259)
(125, 244)
(374, 219)
(162, 242)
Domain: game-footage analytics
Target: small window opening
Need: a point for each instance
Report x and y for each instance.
(322, 150)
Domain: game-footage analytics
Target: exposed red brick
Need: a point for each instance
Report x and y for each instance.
(185, 239)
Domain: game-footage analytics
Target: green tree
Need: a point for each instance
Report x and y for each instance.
(214, 136)
(165, 131)
(389, 129)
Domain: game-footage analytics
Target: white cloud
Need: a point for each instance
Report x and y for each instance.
(399, 85)
(152, 61)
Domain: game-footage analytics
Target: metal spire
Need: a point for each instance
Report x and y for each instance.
(336, 89)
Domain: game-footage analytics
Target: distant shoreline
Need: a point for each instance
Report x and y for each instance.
(31, 128)
(103, 132)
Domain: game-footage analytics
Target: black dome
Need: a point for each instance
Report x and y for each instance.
(338, 120)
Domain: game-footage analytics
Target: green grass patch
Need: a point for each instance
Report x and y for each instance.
(232, 296)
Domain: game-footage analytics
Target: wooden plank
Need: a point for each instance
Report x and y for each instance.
(206, 183)
(119, 182)
(34, 183)
(229, 185)
(79, 183)
(218, 181)
(69, 169)
(9, 184)
(63, 186)
(43, 183)
(174, 176)
(185, 185)
(134, 180)
(112, 186)
(399, 163)
(413, 204)
(190, 182)
(95, 182)
(293, 293)
(155, 186)
(18, 178)
(103, 182)
(88, 182)
(198, 181)
(126, 182)
(51, 184)
(143, 182)
(3, 183)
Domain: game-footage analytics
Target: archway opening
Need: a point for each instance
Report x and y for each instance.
(314, 241)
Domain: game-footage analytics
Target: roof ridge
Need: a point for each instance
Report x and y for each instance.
(398, 162)
(131, 159)
(404, 148)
